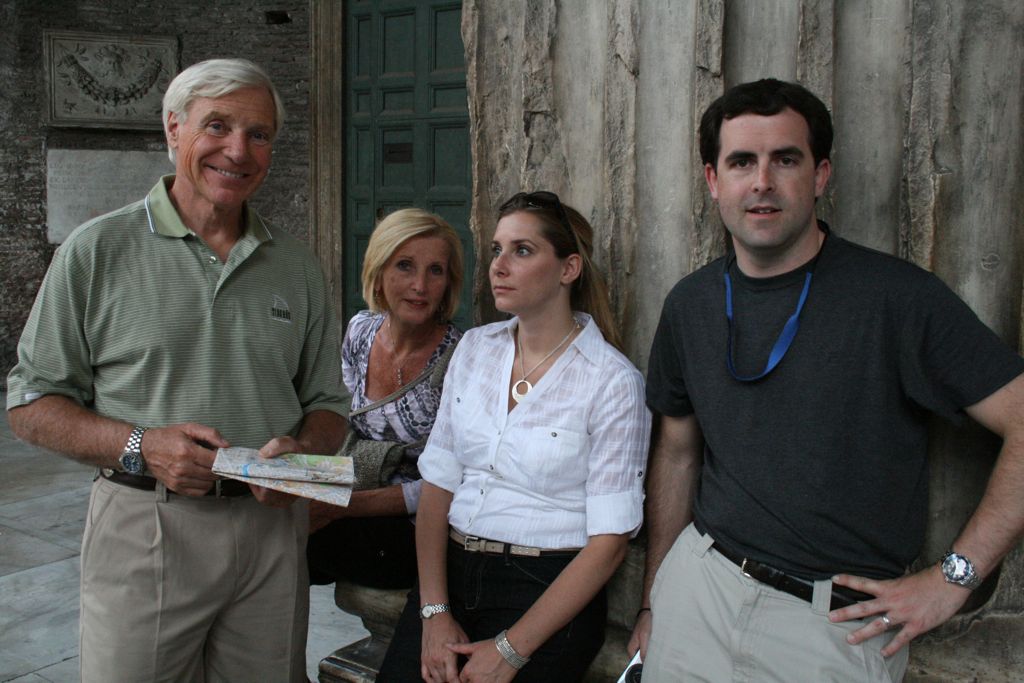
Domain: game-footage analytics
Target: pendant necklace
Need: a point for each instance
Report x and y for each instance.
(518, 395)
(398, 371)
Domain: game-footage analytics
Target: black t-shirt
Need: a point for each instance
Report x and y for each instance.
(821, 466)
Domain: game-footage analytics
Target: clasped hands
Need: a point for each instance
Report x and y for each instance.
(444, 640)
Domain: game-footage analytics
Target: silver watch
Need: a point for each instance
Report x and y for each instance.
(956, 568)
(428, 611)
(131, 459)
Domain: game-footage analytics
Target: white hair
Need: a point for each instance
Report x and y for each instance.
(216, 78)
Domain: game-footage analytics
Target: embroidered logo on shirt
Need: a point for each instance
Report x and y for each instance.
(279, 310)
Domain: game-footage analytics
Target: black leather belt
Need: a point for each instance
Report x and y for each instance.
(222, 488)
(787, 583)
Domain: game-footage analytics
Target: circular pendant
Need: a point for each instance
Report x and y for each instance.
(517, 395)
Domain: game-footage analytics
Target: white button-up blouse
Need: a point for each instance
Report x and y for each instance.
(567, 463)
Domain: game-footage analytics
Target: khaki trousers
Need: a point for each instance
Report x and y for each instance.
(713, 624)
(191, 589)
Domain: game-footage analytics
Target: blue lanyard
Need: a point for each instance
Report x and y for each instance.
(785, 339)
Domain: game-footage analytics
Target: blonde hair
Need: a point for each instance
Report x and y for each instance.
(392, 232)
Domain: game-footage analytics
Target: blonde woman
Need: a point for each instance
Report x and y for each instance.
(412, 276)
(533, 474)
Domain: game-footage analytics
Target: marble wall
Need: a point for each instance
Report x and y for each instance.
(599, 101)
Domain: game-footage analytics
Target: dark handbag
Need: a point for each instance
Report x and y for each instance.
(376, 462)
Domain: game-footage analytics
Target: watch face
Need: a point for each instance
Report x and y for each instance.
(133, 463)
(956, 567)
(428, 611)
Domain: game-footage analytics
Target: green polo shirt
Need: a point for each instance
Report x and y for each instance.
(140, 321)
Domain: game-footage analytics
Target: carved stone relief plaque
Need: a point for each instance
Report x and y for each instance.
(107, 81)
(82, 184)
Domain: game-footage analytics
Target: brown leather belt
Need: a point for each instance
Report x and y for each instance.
(787, 583)
(475, 544)
(222, 488)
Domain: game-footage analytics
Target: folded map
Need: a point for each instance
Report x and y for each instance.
(321, 477)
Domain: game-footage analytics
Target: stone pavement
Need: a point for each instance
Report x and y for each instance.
(43, 500)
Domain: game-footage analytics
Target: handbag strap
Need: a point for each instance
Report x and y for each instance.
(434, 373)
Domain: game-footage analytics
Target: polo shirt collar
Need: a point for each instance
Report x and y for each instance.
(164, 220)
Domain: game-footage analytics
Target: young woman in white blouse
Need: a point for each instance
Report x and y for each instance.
(533, 474)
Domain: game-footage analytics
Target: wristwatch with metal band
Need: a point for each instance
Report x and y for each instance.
(428, 611)
(956, 568)
(131, 459)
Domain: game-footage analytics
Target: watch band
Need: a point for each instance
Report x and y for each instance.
(134, 444)
(131, 459)
(430, 610)
(508, 653)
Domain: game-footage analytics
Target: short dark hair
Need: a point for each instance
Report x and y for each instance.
(766, 97)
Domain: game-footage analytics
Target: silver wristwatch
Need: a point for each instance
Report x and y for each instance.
(428, 611)
(956, 568)
(131, 459)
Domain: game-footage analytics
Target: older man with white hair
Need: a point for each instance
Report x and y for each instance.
(166, 329)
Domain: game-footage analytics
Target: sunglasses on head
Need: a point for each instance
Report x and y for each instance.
(541, 199)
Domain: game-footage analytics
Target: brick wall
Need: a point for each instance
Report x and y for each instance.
(205, 29)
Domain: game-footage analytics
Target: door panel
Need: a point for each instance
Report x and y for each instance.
(407, 125)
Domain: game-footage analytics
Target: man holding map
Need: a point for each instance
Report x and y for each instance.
(163, 331)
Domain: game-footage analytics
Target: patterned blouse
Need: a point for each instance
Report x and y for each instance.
(407, 419)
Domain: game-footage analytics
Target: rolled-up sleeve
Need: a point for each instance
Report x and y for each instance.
(53, 353)
(620, 431)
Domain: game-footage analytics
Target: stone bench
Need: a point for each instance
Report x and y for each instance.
(379, 610)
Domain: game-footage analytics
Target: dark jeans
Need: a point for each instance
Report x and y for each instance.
(488, 593)
(379, 552)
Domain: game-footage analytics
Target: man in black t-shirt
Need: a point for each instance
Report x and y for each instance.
(791, 383)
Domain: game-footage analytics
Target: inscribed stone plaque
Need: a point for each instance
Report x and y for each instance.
(82, 184)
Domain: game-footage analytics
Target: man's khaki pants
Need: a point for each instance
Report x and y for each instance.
(711, 623)
(190, 589)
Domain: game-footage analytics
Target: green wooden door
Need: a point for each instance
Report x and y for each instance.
(407, 125)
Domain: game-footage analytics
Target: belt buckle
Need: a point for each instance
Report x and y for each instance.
(743, 569)
(471, 544)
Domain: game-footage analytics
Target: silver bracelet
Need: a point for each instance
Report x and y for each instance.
(508, 653)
